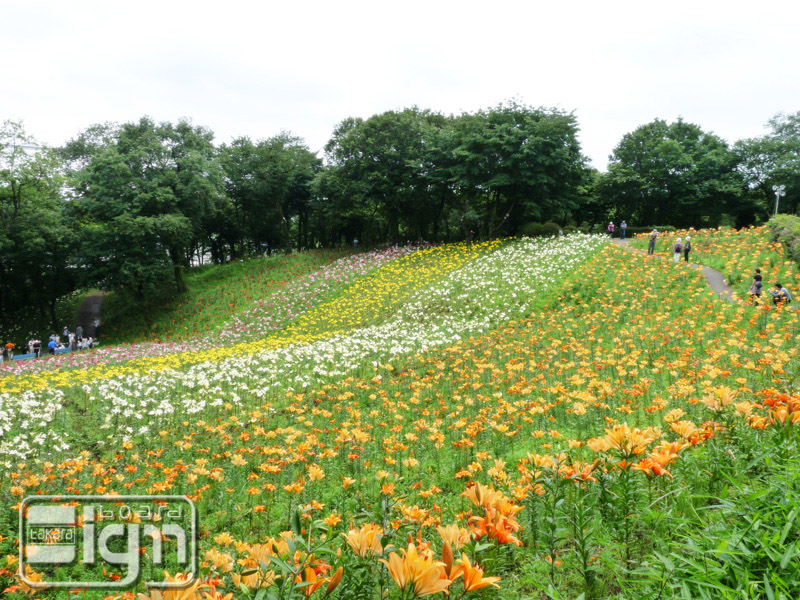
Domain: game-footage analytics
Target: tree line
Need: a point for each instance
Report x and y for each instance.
(133, 205)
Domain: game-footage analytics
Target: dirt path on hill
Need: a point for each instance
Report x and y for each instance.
(89, 312)
(715, 279)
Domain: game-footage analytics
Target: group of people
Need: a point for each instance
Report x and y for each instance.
(74, 340)
(780, 295)
(623, 229)
(68, 339)
(681, 247)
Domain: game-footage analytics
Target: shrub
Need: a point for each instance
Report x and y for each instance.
(785, 229)
(551, 228)
(531, 229)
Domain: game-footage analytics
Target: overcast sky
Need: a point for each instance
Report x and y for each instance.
(256, 68)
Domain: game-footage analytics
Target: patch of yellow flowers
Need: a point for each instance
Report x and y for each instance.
(365, 303)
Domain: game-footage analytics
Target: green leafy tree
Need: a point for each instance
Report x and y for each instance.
(268, 183)
(677, 174)
(34, 236)
(145, 201)
(774, 159)
(515, 163)
(376, 172)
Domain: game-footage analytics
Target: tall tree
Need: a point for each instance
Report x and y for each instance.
(268, 183)
(144, 203)
(675, 173)
(34, 238)
(774, 159)
(376, 169)
(518, 163)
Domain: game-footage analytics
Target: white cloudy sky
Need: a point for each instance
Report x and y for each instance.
(255, 68)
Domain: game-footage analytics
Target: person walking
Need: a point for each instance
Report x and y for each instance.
(757, 286)
(622, 229)
(687, 247)
(65, 334)
(676, 251)
(79, 332)
(651, 246)
(611, 228)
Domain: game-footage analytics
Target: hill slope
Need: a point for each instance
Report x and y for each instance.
(575, 418)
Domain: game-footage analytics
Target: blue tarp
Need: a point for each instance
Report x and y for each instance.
(23, 356)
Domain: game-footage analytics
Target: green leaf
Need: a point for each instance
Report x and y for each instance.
(667, 561)
(789, 523)
(787, 556)
(296, 523)
(283, 566)
(768, 588)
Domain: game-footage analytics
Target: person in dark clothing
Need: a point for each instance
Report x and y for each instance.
(756, 288)
(651, 247)
(687, 247)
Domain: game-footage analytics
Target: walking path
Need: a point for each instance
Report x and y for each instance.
(715, 279)
(89, 312)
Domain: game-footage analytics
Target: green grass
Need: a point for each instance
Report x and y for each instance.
(215, 293)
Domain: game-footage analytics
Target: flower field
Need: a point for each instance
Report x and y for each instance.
(280, 300)
(736, 254)
(546, 418)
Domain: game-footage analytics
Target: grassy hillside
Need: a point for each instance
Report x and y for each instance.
(575, 419)
(215, 293)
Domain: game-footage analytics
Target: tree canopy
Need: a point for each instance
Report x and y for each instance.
(34, 236)
(675, 173)
(774, 159)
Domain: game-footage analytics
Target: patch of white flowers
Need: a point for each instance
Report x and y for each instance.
(474, 299)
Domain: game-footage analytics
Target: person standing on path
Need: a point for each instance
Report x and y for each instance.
(622, 229)
(611, 228)
(651, 247)
(756, 288)
(687, 247)
(97, 328)
(676, 251)
(65, 334)
(79, 332)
